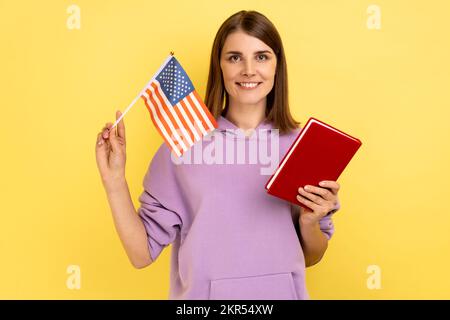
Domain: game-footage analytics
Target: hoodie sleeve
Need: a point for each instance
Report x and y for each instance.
(161, 204)
(327, 226)
(326, 223)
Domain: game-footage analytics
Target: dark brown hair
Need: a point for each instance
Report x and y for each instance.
(257, 25)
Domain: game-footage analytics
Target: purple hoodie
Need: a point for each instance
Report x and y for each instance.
(230, 239)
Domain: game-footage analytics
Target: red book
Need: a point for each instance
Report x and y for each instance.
(320, 152)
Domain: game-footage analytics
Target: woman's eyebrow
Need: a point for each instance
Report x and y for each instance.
(257, 52)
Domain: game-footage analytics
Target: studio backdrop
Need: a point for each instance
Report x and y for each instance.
(379, 70)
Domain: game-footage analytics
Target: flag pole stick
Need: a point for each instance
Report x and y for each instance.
(142, 91)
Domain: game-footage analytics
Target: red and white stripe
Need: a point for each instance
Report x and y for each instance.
(182, 124)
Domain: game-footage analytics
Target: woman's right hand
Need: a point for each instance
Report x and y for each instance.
(110, 151)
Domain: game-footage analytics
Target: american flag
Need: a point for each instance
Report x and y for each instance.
(176, 109)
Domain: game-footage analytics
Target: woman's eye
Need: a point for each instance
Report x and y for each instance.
(264, 57)
(260, 57)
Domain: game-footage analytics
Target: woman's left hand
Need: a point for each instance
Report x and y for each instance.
(321, 200)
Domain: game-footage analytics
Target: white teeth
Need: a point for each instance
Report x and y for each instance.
(248, 84)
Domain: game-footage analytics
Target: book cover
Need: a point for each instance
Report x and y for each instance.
(320, 152)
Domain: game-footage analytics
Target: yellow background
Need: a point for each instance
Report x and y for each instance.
(389, 87)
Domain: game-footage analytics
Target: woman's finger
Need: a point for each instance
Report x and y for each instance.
(101, 153)
(121, 140)
(107, 130)
(120, 125)
(332, 185)
(323, 192)
(311, 196)
(314, 207)
(100, 140)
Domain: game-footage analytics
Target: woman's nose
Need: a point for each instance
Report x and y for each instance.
(248, 69)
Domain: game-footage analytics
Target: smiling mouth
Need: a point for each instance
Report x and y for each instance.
(248, 85)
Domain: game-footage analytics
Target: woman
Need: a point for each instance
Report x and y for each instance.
(230, 239)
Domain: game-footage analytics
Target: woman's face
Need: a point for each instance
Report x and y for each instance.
(248, 68)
